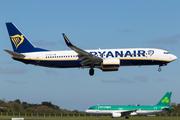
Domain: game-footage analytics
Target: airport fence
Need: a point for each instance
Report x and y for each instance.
(72, 114)
(45, 114)
(168, 114)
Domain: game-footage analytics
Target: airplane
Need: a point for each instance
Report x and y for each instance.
(117, 111)
(104, 59)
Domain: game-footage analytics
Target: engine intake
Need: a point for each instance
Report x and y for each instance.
(116, 115)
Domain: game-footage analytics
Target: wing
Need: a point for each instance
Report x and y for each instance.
(14, 54)
(129, 111)
(84, 56)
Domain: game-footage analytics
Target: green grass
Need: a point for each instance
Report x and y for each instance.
(90, 118)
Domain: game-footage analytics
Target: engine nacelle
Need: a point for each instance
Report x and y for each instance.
(133, 113)
(116, 115)
(110, 64)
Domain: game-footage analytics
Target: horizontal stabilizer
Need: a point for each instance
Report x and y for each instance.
(14, 54)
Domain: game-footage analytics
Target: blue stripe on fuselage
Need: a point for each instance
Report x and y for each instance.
(77, 63)
(124, 54)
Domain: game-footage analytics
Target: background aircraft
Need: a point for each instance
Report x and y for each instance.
(117, 111)
(104, 59)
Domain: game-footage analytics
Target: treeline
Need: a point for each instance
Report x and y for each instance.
(17, 106)
(176, 108)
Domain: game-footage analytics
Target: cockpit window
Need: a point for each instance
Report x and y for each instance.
(90, 108)
(166, 53)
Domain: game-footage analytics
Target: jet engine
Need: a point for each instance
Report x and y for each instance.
(116, 115)
(110, 65)
(133, 113)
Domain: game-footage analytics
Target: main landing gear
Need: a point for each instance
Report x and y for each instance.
(159, 69)
(126, 117)
(91, 71)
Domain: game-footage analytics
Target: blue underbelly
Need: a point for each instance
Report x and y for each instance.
(77, 63)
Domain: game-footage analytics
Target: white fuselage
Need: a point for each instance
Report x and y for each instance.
(110, 112)
(127, 57)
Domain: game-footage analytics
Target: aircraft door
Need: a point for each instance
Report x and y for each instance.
(155, 108)
(120, 109)
(157, 55)
(97, 110)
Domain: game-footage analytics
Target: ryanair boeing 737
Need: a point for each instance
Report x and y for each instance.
(117, 111)
(104, 59)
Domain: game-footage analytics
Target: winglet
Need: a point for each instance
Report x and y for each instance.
(67, 40)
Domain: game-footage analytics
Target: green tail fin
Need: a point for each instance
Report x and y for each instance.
(166, 99)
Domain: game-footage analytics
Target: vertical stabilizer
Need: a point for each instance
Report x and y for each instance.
(165, 100)
(19, 42)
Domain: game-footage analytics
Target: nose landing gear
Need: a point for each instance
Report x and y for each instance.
(159, 69)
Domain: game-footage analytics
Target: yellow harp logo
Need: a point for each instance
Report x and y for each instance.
(17, 40)
(66, 38)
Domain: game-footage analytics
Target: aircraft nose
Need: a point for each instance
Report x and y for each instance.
(173, 57)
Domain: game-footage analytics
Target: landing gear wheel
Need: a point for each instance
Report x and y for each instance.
(159, 69)
(91, 72)
(97, 117)
(126, 117)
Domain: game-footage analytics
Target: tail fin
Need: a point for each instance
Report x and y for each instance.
(166, 99)
(19, 42)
